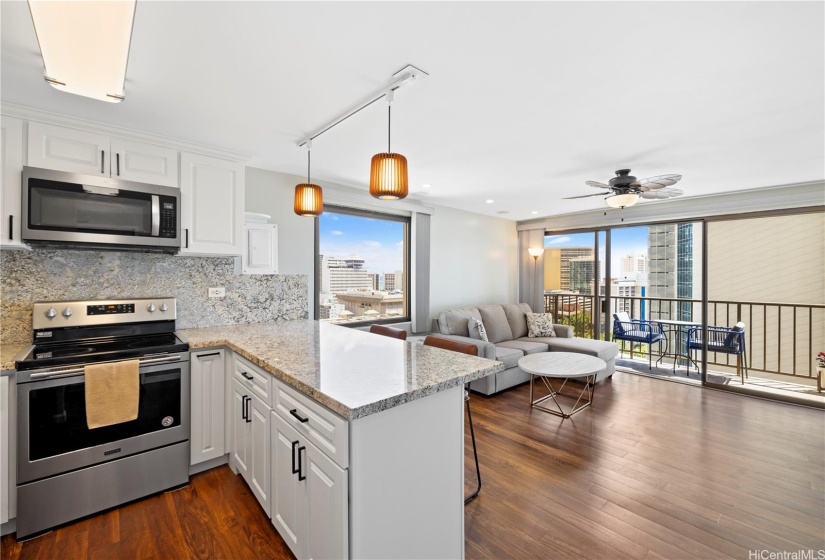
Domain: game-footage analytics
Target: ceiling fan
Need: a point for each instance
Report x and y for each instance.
(624, 190)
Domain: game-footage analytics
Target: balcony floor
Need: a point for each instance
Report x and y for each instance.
(771, 385)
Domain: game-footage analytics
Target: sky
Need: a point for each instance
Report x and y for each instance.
(624, 241)
(379, 242)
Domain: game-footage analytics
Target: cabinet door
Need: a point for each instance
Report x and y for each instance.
(207, 402)
(326, 502)
(146, 163)
(68, 149)
(4, 449)
(240, 439)
(11, 164)
(284, 502)
(212, 201)
(259, 451)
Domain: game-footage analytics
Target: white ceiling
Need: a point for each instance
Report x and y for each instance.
(525, 101)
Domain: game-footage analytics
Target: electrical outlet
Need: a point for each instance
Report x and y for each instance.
(217, 292)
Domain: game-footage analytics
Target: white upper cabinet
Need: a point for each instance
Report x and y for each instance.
(11, 164)
(145, 163)
(212, 205)
(94, 153)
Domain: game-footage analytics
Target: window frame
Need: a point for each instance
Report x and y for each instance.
(407, 262)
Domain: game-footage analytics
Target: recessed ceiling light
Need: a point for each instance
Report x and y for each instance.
(489, 201)
(534, 212)
(426, 185)
(503, 212)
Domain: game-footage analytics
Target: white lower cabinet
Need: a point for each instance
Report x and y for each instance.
(207, 398)
(309, 496)
(250, 440)
(5, 455)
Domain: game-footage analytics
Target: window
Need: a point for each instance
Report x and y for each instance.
(363, 265)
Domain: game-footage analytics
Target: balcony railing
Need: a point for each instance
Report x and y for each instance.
(781, 338)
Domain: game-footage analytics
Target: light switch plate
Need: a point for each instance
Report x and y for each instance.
(217, 292)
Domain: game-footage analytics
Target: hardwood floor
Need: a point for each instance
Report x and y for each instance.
(653, 470)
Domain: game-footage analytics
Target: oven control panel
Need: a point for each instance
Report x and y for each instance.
(57, 314)
(110, 309)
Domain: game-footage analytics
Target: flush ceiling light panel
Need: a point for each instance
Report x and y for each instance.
(85, 45)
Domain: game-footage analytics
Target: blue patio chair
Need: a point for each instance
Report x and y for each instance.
(723, 340)
(640, 331)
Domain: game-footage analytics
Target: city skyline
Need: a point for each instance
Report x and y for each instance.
(624, 241)
(380, 243)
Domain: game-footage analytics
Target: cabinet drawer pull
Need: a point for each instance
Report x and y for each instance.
(102, 159)
(248, 416)
(294, 412)
(294, 468)
(246, 376)
(300, 467)
(11, 227)
(243, 407)
(117, 164)
(186, 231)
(207, 355)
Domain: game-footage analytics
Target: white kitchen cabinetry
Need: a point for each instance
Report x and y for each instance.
(93, 153)
(207, 439)
(250, 428)
(11, 152)
(5, 482)
(260, 255)
(309, 496)
(212, 201)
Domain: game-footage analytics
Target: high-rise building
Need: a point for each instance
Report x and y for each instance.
(673, 250)
(581, 272)
(634, 266)
(557, 265)
(375, 278)
(342, 275)
(393, 281)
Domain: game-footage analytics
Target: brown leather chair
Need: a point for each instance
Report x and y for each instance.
(389, 331)
(465, 348)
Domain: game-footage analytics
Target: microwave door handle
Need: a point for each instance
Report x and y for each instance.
(155, 215)
(105, 191)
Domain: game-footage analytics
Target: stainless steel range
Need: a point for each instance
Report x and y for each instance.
(65, 470)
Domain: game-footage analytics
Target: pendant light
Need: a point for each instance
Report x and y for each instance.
(388, 172)
(309, 198)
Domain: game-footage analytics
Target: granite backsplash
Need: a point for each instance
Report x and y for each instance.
(55, 275)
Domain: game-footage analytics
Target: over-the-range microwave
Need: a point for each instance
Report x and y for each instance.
(88, 212)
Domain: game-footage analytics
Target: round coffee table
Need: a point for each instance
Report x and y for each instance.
(562, 365)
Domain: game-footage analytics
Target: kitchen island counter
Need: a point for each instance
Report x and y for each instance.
(353, 373)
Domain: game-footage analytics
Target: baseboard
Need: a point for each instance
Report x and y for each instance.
(9, 526)
(210, 464)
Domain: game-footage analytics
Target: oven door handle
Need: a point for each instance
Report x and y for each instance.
(73, 371)
(155, 215)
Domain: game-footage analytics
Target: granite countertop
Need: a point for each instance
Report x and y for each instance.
(7, 353)
(353, 373)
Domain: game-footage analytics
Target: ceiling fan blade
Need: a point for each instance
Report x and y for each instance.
(660, 181)
(584, 196)
(596, 184)
(661, 194)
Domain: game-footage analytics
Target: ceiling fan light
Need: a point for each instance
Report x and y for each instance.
(388, 176)
(622, 200)
(309, 200)
(85, 45)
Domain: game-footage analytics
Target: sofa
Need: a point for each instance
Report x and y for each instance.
(506, 329)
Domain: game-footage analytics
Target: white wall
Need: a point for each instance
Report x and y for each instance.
(472, 260)
(273, 193)
(472, 257)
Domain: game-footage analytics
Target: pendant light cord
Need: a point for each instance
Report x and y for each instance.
(308, 156)
(389, 127)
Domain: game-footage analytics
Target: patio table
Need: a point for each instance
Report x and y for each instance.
(674, 327)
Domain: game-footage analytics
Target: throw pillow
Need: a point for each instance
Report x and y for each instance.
(539, 324)
(732, 339)
(477, 330)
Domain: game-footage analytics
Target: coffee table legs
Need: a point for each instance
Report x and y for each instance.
(589, 389)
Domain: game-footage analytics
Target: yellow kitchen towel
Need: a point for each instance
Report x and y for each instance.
(112, 393)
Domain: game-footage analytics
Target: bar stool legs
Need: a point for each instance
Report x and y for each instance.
(475, 452)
